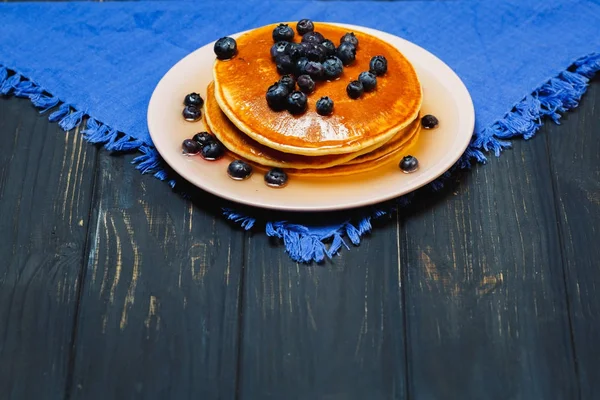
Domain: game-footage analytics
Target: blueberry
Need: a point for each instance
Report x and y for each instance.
(239, 170)
(313, 37)
(212, 151)
(296, 50)
(355, 89)
(297, 102)
(409, 164)
(203, 138)
(314, 52)
(306, 84)
(329, 47)
(191, 113)
(279, 48)
(324, 106)
(193, 99)
(429, 121)
(276, 178)
(288, 81)
(368, 80)
(347, 53)
(225, 48)
(277, 96)
(333, 68)
(283, 33)
(284, 64)
(190, 147)
(349, 38)
(304, 26)
(378, 65)
(300, 67)
(314, 70)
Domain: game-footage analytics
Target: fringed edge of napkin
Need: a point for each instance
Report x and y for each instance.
(558, 95)
(306, 244)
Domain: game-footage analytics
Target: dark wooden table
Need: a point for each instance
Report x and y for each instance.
(114, 287)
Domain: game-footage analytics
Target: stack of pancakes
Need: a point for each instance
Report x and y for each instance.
(358, 136)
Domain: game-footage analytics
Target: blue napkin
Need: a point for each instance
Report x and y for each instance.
(522, 60)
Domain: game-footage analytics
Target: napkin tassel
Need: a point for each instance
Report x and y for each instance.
(44, 102)
(8, 83)
(558, 95)
(71, 120)
(150, 162)
(244, 221)
(305, 244)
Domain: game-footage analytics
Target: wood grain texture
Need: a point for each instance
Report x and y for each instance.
(46, 178)
(488, 290)
(159, 310)
(487, 314)
(575, 166)
(327, 332)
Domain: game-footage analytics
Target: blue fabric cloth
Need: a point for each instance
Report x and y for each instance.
(103, 60)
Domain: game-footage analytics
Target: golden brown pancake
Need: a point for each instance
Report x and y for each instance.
(374, 160)
(242, 145)
(241, 84)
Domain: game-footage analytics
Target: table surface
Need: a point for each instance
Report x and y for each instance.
(114, 287)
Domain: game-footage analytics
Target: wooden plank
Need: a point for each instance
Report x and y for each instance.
(159, 311)
(575, 166)
(332, 331)
(46, 179)
(487, 314)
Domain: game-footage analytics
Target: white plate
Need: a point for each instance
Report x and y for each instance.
(445, 96)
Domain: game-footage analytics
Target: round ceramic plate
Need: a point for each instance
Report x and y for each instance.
(445, 96)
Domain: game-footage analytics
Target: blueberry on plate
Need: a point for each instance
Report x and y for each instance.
(300, 66)
(314, 70)
(284, 64)
(212, 151)
(332, 68)
(355, 89)
(368, 80)
(297, 102)
(378, 65)
(190, 147)
(306, 84)
(239, 170)
(429, 121)
(409, 164)
(279, 48)
(288, 81)
(276, 178)
(347, 53)
(304, 26)
(313, 37)
(283, 32)
(349, 38)
(193, 99)
(329, 47)
(225, 48)
(203, 138)
(277, 95)
(191, 113)
(324, 106)
(296, 50)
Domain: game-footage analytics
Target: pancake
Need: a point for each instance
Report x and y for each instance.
(241, 84)
(368, 163)
(242, 145)
(393, 145)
